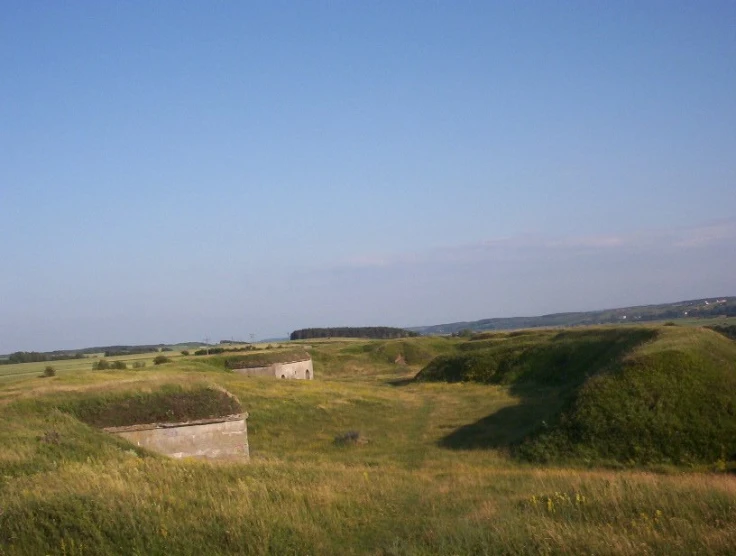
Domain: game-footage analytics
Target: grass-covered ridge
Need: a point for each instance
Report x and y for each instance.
(626, 395)
(419, 351)
(549, 358)
(673, 401)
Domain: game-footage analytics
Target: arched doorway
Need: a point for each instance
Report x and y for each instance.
(306, 374)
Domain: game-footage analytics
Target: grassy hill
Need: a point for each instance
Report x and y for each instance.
(408, 487)
(625, 395)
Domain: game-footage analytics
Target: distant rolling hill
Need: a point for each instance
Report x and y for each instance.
(710, 307)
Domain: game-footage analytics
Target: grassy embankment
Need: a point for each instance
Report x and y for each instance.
(638, 395)
(80, 491)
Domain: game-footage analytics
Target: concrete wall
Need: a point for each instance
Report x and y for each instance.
(296, 369)
(224, 438)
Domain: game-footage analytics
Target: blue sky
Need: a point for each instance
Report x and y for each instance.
(171, 171)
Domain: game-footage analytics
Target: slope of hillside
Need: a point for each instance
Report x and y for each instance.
(630, 395)
(547, 358)
(716, 307)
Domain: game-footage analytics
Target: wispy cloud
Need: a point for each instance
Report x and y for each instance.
(530, 245)
(599, 242)
(367, 261)
(720, 232)
(527, 274)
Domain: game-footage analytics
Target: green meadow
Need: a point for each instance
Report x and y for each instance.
(28, 370)
(506, 443)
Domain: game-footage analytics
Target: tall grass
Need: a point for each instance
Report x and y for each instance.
(153, 506)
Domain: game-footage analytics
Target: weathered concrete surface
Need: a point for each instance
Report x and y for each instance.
(221, 438)
(293, 369)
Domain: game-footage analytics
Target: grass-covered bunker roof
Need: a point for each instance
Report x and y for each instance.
(170, 404)
(262, 359)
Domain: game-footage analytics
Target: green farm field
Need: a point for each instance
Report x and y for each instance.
(28, 370)
(404, 488)
(715, 321)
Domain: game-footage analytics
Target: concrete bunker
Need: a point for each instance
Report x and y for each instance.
(217, 438)
(294, 364)
(204, 422)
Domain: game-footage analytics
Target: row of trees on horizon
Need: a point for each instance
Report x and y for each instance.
(38, 357)
(373, 332)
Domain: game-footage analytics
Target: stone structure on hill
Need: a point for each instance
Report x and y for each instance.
(302, 368)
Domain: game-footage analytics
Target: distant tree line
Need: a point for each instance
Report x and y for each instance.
(129, 350)
(133, 350)
(36, 357)
(373, 332)
(61, 355)
(724, 310)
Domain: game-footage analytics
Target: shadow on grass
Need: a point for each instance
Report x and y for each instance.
(509, 425)
(398, 382)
